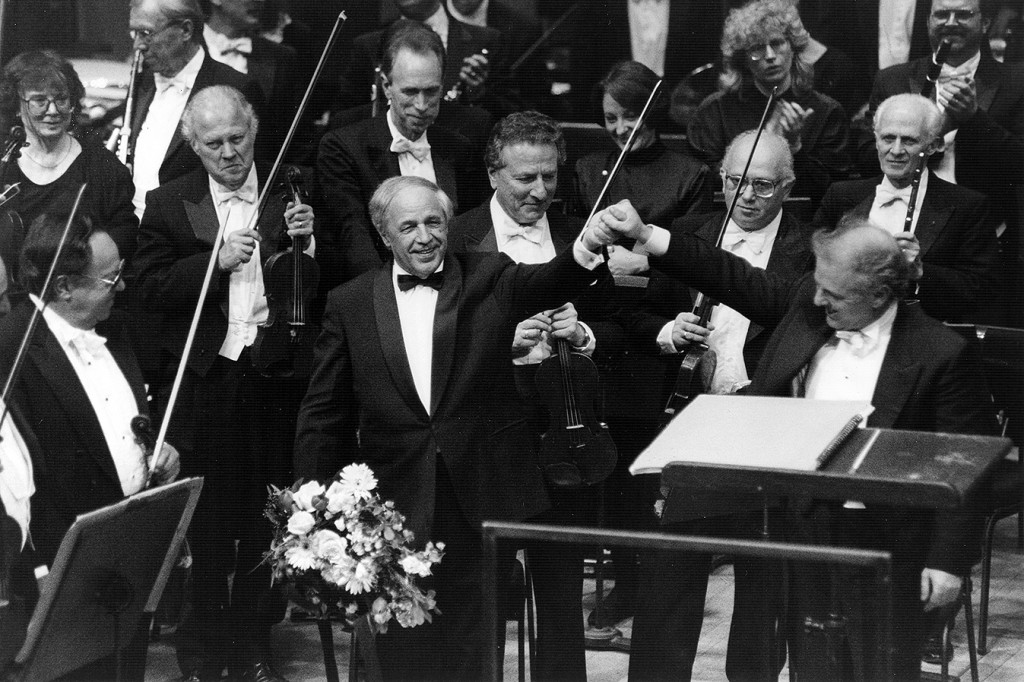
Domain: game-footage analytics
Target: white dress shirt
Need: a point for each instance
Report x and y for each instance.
(247, 299)
(231, 51)
(730, 334)
(946, 166)
(895, 29)
(477, 17)
(109, 392)
(16, 483)
(890, 213)
(408, 163)
(648, 32)
(847, 368)
(416, 308)
(158, 128)
(438, 22)
(530, 245)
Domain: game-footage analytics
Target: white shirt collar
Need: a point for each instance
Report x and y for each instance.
(438, 22)
(970, 67)
(758, 238)
(250, 184)
(187, 76)
(881, 326)
(475, 18)
(396, 134)
(505, 226)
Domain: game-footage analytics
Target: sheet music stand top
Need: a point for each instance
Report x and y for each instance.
(102, 578)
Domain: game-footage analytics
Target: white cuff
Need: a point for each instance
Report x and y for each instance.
(664, 339)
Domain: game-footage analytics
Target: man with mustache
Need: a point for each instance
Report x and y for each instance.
(952, 230)
(236, 426)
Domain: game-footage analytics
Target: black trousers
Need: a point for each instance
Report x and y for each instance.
(670, 612)
(238, 430)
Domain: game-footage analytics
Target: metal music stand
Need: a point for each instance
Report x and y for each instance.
(111, 563)
(874, 466)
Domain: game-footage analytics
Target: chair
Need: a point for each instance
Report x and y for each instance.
(1003, 356)
(518, 606)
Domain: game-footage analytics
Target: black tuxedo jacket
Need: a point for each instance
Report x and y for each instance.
(74, 471)
(179, 158)
(352, 162)
(930, 379)
(989, 146)
(175, 239)
(361, 383)
(275, 68)
(957, 232)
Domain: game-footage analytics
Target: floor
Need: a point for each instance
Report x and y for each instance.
(300, 658)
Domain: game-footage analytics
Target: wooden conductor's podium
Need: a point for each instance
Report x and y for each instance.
(906, 469)
(112, 565)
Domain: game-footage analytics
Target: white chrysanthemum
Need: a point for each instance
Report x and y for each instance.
(329, 546)
(362, 578)
(303, 497)
(413, 564)
(301, 557)
(300, 523)
(359, 479)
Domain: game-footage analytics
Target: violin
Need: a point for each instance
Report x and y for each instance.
(698, 363)
(12, 228)
(284, 344)
(578, 449)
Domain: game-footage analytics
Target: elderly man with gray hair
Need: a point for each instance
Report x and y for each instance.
(237, 425)
(846, 332)
(951, 228)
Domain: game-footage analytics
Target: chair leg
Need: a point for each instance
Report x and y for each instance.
(521, 620)
(530, 624)
(972, 649)
(947, 628)
(986, 574)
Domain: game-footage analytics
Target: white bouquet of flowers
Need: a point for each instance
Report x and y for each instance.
(341, 549)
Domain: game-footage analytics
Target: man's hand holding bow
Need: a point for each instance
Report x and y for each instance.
(686, 331)
(237, 249)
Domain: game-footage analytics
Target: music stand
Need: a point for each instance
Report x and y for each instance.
(111, 563)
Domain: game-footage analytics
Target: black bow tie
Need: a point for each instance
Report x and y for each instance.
(433, 280)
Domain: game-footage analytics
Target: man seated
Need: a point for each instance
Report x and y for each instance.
(845, 332)
(355, 159)
(952, 227)
(668, 622)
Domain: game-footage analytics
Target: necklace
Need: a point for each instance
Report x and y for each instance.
(54, 165)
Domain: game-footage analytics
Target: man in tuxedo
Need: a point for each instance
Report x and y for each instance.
(673, 586)
(169, 33)
(952, 228)
(74, 399)
(982, 102)
(235, 425)
(423, 376)
(844, 332)
(231, 36)
(355, 159)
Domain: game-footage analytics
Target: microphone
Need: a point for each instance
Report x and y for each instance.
(938, 59)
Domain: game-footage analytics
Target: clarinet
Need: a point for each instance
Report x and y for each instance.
(120, 139)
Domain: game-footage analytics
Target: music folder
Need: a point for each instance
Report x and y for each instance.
(756, 431)
(111, 563)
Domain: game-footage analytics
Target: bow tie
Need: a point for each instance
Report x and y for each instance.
(736, 235)
(950, 72)
(433, 280)
(163, 83)
(885, 195)
(88, 344)
(242, 46)
(419, 149)
(860, 343)
(244, 193)
(531, 233)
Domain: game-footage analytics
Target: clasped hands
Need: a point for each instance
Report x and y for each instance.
(239, 246)
(560, 323)
(788, 120)
(474, 72)
(618, 220)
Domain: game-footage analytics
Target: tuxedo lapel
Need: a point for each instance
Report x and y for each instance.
(898, 376)
(561, 234)
(392, 343)
(445, 174)
(262, 67)
(806, 334)
(146, 91)
(202, 216)
(68, 391)
(934, 215)
(384, 161)
(446, 320)
(986, 81)
(480, 238)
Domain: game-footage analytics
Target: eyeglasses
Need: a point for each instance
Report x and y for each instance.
(756, 53)
(145, 34)
(111, 283)
(962, 16)
(40, 104)
(762, 188)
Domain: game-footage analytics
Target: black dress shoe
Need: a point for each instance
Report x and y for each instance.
(932, 651)
(261, 671)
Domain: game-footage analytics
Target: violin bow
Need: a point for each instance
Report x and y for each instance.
(625, 150)
(212, 264)
(37, 310)
(543, 38)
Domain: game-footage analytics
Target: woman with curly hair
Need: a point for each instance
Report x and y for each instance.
(762, 44)
(40, 91)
